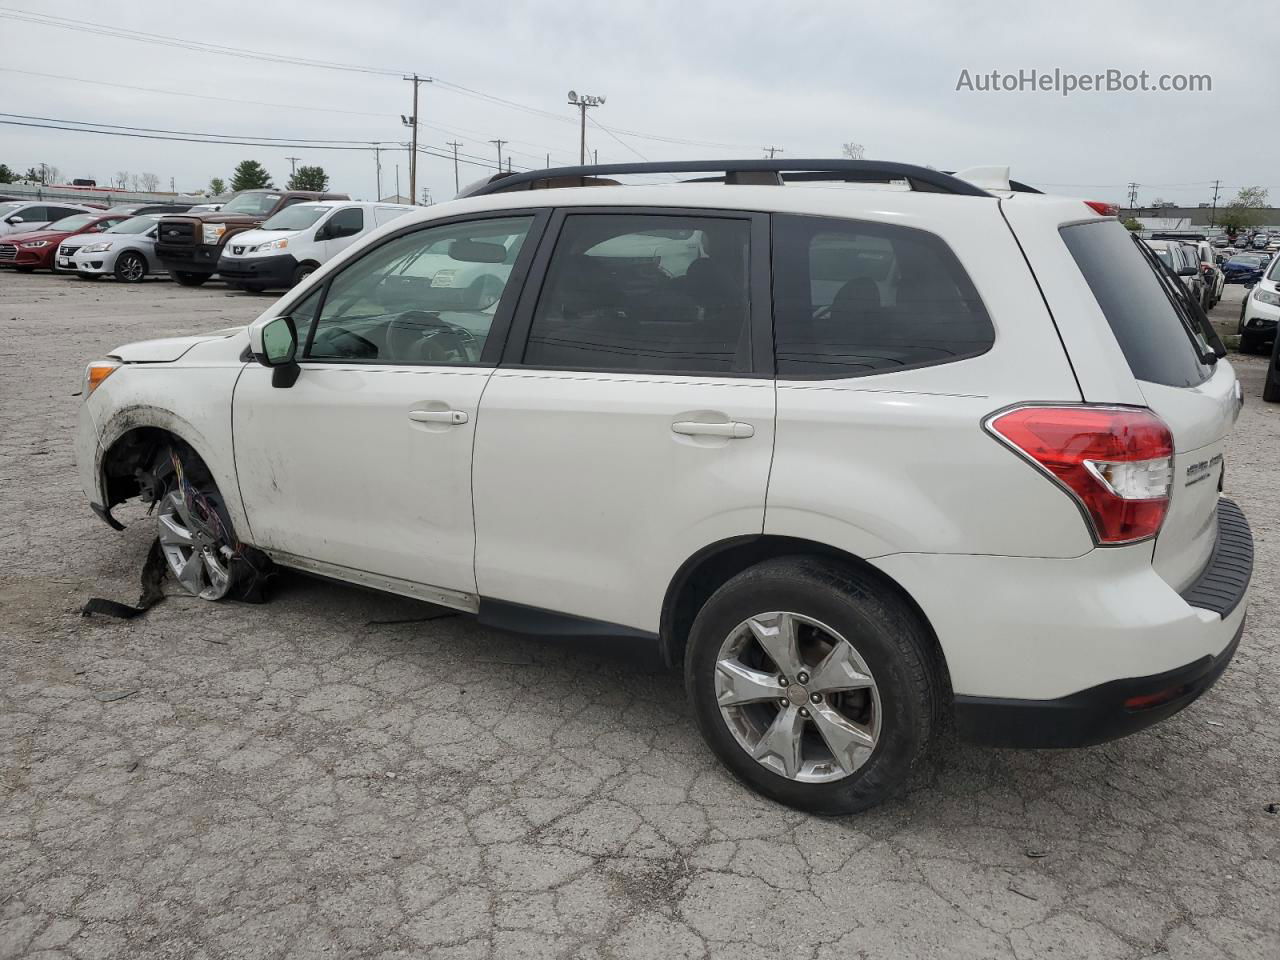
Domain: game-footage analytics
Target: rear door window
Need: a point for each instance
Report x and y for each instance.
(853, 298)
(1155, 340)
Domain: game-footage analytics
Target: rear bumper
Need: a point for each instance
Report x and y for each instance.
(1105, 712)
(1120, 707)
(274, 271)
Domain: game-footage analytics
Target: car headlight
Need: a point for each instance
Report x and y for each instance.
(95, 373)
(211, 232)
(34, 244)
(95, 247)
(1266, 296)
(271, 245)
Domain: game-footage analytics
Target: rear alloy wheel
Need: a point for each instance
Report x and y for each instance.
(815, 684)
(194, 530)
(130, 268)
(190, 279)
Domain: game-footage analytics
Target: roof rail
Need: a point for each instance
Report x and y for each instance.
(775, 172)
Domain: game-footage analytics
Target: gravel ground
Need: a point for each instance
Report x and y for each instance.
(343, 774)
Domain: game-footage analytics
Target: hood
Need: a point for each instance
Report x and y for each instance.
(168, 349)
(36, 235)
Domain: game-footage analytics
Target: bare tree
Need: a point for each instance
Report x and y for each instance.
(49, 174)
(133, 182)
(853, 151)
(150, 182)
(121, 180)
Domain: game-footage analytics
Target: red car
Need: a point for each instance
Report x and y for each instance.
(35, 250)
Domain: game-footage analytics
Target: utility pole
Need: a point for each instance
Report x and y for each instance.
(397, 183)
(499, 144)
(411, 121)
(1213, 214)
(595, 157)
(548, 161)
(772, 150)
(582, 103)
(455, 144)
(1133, 196)
(377, 171)
(293, 165)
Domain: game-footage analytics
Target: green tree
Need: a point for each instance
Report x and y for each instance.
(32, 174)
(251, 175)
(7, 175)
(309, 178)
(217, 186)
(1244, 210)
(1132, 224)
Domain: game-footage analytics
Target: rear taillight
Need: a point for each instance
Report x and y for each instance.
(1117, 462)
(1102, 208)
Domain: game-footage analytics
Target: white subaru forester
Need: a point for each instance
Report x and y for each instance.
(868, 462)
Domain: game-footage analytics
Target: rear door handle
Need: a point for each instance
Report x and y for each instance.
(438, 416)
(734, 429)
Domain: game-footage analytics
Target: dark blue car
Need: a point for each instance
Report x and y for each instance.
(1244, 268)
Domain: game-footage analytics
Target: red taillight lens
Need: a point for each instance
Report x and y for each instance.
(1103, 209)
(1116, 461)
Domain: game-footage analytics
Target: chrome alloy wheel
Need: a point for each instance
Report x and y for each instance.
(132, 269)
(198, 551)
(797, 697)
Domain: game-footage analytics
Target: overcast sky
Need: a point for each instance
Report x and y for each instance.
(803, 76)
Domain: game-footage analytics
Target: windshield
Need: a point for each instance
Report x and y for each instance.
(1246, 261)
(1163, 254)
(298, 217)
(73, 223)
(124, 208)
(136, 225)
(254, 204)
(1274, 272)
(7, 208)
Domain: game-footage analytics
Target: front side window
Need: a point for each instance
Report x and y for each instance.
(647, 293)
(347, 222)
(854, 298)
(428, 297)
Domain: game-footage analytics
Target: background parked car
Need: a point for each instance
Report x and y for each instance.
(23, 216)
(138, 209)
(1244, 268)
(294, 243)
(126, 252)
(34, 250)
(190, 244)
(1184, 261)
(1260, 312)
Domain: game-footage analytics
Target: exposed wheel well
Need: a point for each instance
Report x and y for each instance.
(126, 463)
(709, 569)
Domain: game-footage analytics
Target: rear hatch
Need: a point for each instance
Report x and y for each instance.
(1179, 377)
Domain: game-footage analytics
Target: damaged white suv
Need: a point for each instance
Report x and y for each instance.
(865, 461)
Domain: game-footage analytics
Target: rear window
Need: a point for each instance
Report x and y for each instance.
(853, 298)
(1151, 334)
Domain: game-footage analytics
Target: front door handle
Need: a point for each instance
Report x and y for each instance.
(438, 416)
(733, 430)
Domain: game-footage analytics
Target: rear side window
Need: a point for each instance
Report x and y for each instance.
(853, 298)
(1153, 337)
(646, 293)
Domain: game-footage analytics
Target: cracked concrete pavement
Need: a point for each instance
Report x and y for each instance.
(342, 774)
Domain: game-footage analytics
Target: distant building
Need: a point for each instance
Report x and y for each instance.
(1195, 216)
(397, 198)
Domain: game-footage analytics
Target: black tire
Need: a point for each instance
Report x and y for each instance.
(89, 276)
(130, 267)
(888, 634)
(1271, 386)
(189, 279)
(25, 269)
(1249, 344)
(303, 271)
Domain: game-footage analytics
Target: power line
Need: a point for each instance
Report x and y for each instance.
(190, 133)
(121, 33)
(597, 123)
(156, 136)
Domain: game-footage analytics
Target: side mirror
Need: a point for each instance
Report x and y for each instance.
(14, 219)
(323, 233)
(274, 343)
(1187, 271)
